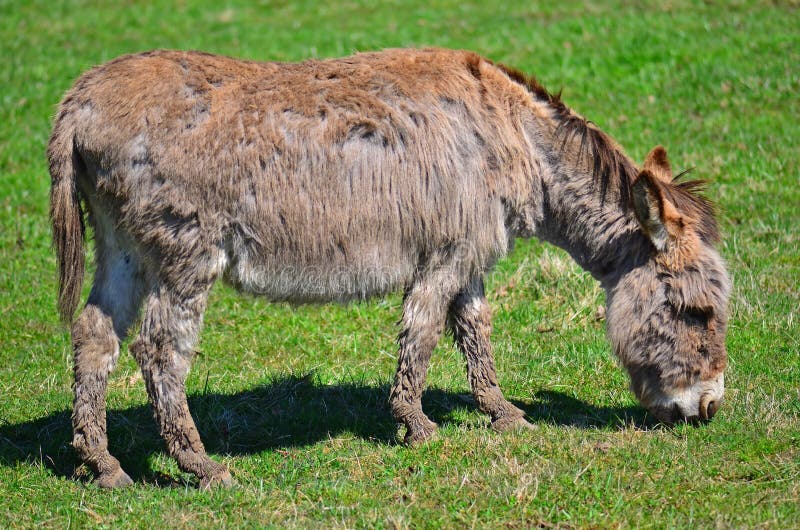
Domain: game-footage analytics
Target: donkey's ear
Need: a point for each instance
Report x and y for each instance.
(658, 217)
(657, 163)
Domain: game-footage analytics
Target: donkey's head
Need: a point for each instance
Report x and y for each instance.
(667, 315)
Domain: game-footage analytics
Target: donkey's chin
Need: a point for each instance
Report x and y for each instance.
(692, 404)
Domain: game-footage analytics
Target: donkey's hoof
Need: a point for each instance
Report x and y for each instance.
(218, 479)
(114, 479)
(511, 423)
(420, 435)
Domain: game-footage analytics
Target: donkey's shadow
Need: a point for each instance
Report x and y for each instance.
(287, 412)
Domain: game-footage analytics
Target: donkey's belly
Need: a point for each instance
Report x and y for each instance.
(330, 278)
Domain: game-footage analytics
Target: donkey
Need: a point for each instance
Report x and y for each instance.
(344, 179)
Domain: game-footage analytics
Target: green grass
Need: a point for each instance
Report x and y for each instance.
(294, 399)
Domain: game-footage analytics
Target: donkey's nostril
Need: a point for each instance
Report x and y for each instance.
(711, 408)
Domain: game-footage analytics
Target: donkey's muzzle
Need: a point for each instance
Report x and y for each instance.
(700, 413)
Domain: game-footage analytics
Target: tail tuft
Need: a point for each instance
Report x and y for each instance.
(66, 218)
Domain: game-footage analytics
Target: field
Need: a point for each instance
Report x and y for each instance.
(294, 399)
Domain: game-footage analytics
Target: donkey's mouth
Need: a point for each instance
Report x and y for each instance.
(672, 415)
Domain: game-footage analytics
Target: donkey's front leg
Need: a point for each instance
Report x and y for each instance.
(164, 352)
(424, 314)
(470, 319)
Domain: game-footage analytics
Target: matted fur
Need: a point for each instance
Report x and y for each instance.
(349, 178)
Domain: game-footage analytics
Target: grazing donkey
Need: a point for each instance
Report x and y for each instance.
(349, 178)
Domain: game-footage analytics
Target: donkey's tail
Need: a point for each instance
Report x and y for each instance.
(66, 215)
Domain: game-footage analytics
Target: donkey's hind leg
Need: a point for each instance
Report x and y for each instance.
(470, 319)
(164, 351)
(96, 334)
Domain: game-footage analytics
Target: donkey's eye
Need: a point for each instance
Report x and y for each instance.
(697, 316)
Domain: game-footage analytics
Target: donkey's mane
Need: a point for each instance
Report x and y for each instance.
(611, 167)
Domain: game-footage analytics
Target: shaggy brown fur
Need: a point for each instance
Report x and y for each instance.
(349, 178)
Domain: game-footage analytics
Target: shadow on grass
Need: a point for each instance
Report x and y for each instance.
(557, 408)
(288, 412)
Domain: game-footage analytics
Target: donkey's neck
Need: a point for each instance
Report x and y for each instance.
(584, 210)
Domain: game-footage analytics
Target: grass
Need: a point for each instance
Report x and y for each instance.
(294, 399)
